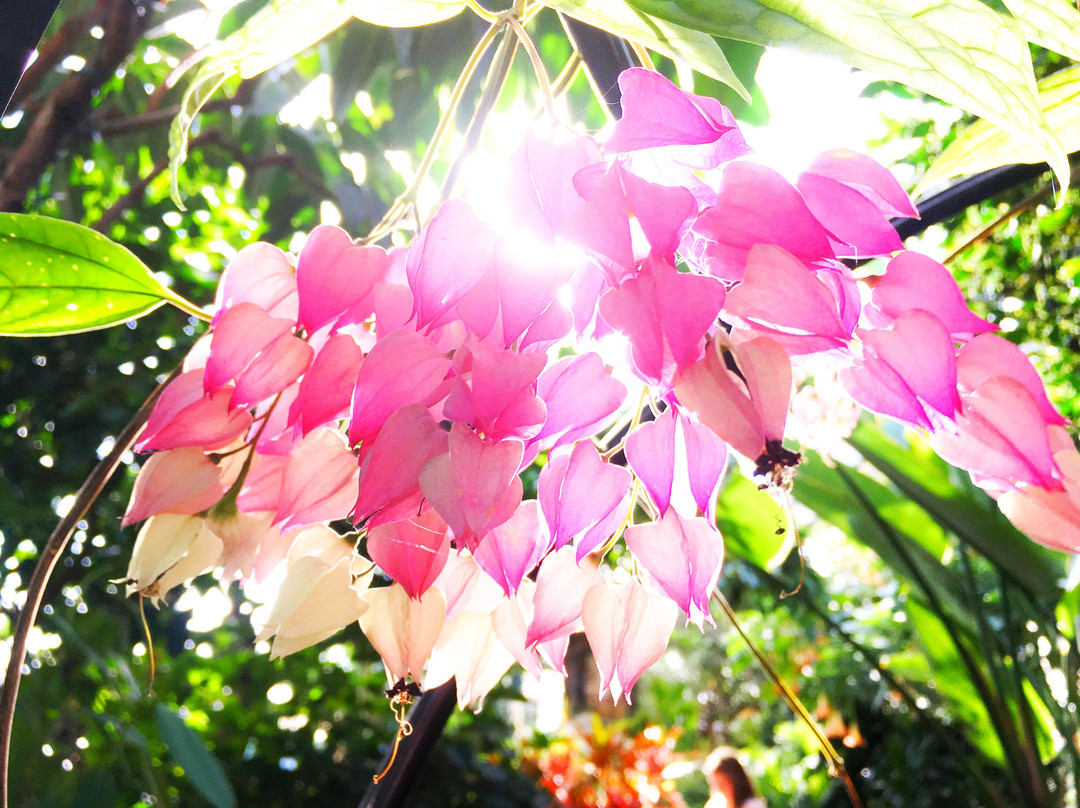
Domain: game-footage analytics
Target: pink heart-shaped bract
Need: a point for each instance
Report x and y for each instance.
(699, 130)
(1000, 434)
(579, 395)
(449, 257)
(577, 490)
(858, 227)
(261, 274)
(561, 585)
(241, 334)
(413, 552)
(319, 481)
(868, 177)
(333, 275)
(684, 557)
(185, 416)
(628, 630)
(513, 549)
(914, 281)
(475, 486)
(403, 368)
(989, 355)
(327, 388)
(665, 314)
(389, 485)
(781, 298)
(178, 481)
(756, 205)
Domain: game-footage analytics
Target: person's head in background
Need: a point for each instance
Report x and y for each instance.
(727, 778)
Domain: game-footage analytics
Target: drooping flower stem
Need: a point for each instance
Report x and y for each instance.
(836, 763)
(84, 499)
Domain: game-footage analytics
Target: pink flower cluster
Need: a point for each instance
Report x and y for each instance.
(408, 390)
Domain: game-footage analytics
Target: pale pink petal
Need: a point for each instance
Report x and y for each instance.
(580, 395)
(602, 229)
(684, 557)
(1051, 518)
(413, 552)
(663, 212)
(469, 650)
(650, 451)
(511, 623)
(403, 630)
(184, 416)
(628, 630)
(915, 281)
(261, 274)
(868, 177)
(561, 585)
(721, 401)
(990, 355)
(178, 481)
(467, 587)
(451, 255)
(389, 475)
(403, 368)
(540, 192)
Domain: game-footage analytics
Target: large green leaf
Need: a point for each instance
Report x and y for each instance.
(1054, 24)
(666, 37)
(982, 146)
(57, 277)
(405, 13)
(274, 34)
(961, 51)
(190, 753)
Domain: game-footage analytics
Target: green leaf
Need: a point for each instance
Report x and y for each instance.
(278, 32)
(667, 37)
(748, 519)
(960, 51)
(1054, 24)
(982, 146)
(190, 753)
(58, 277)
(405, 13)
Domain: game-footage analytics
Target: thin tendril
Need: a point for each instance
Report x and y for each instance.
(481, 12)
(149, 643)
(786, 508)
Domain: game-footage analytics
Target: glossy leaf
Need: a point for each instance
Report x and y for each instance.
(665, 36)
(57, 277)
(964, 52)
(982, 146)
(190, 753)
(274, 34)
(748, 519)
(404, 13)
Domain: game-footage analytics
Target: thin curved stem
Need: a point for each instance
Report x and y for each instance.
(836, 763)
(537, 64)
(401, 204)
(481, 12)
(50, 554)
